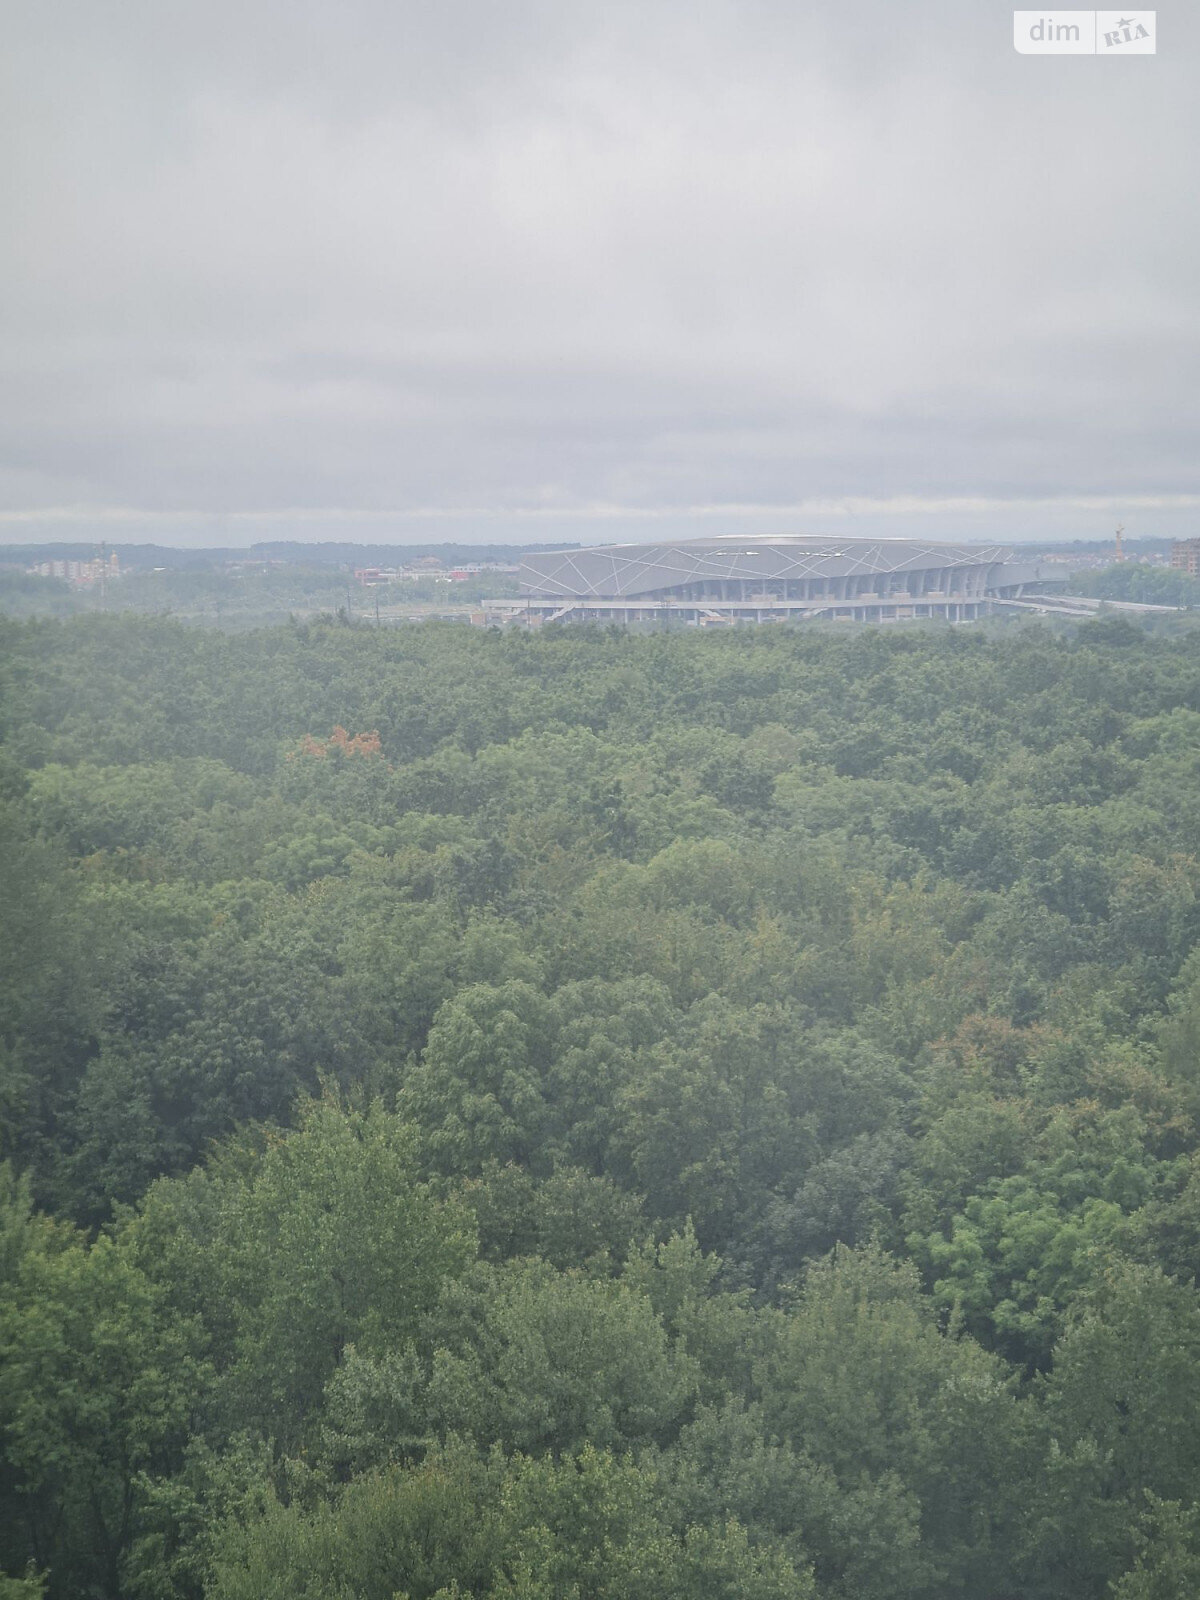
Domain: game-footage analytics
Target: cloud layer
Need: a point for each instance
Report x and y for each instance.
(569, 270)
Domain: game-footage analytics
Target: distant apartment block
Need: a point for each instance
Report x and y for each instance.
(1185, 556)
(80, 572)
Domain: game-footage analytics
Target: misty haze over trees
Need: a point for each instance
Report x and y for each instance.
(599, 1115)
(560, 1114)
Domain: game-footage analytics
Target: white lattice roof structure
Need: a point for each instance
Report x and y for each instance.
(783, 577)
(633, 570)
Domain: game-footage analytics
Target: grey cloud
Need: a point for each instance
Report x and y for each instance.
(512, 261)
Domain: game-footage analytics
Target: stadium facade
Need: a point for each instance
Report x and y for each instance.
(785, 577)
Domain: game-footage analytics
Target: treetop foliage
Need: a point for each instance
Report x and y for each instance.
(585, 1114)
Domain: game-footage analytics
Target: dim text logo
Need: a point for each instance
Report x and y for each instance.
(1084, 33)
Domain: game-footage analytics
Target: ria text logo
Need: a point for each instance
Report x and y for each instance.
(1085, 33)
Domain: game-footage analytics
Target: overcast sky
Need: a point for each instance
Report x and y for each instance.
(494, 269)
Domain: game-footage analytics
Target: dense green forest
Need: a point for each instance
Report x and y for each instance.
(582, 1116)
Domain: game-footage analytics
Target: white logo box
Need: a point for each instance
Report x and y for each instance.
(1085, 33)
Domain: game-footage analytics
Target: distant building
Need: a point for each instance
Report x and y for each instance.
(785, 578)
(80, 573)
(1185, 556)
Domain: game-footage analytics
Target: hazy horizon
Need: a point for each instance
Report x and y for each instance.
(543, 273)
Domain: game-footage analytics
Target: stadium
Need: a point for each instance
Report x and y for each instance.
(783, 578)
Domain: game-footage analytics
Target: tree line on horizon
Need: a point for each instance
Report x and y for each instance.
(312, 580)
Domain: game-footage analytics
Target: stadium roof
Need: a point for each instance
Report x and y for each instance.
(618, 570)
